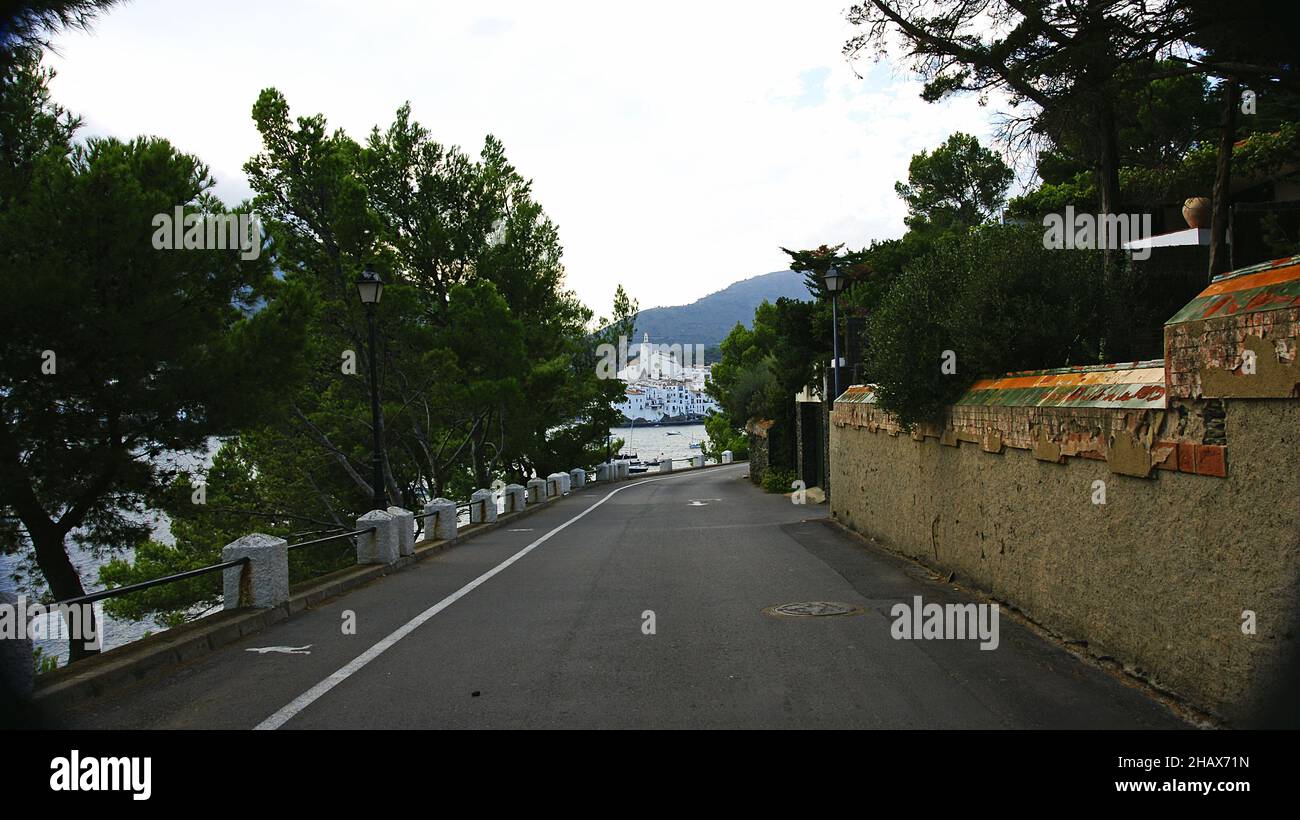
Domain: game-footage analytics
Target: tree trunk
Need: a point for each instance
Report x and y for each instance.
(48, 536)
(394, 490)
(480, 464)
(61, 575)
(1220, 261)
(1108, 191)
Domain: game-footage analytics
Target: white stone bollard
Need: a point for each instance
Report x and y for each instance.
(17, 670)
(263, 582)
(624, 469)
(380, 545)
(727, 457)
(606, 471)
(404, 520)
(697, 461)
(536, 490)
(665, 465)
(482, 507)
(440, 520)
(579, 478)
(516, 498)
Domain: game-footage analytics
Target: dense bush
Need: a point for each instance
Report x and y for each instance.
(760, 371)
(722, 436)
(999, 301)
(778, 481)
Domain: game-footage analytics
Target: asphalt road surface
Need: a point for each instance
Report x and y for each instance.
(543, 625)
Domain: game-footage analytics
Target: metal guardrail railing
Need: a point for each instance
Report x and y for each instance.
(466, 507)
(327, 538)
(128, 589)
(114, 592)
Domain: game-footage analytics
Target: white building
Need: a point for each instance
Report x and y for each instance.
(674, 363)
(666, 383)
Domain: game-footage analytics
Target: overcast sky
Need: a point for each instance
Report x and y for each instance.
(676, 145)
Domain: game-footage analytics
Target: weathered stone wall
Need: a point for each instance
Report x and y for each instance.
(1239, 337)
(1196, 454)
(757, 458)
(756, 432)
(1157, 577)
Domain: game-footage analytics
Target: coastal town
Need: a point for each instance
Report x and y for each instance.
(664, 386)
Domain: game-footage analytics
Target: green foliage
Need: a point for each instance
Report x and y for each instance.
(958, 186)
(1052, 198)
(235, 497)
(867, 271)
(26, 25)
(43, 663)
(33, 128)
(1161, 119)
(777, 480)
(999, 301)
(471, 390)
(879, 264)
(722, 435)
(1260, 156)
(486, 363)
(759, 373)
(485, 360)
(151, 347)
(1164, 130)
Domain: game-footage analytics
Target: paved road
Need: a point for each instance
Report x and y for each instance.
(555, 639)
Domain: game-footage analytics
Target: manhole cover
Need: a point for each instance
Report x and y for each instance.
(813, 609)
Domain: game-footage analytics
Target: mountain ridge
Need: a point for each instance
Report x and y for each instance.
(709, 319)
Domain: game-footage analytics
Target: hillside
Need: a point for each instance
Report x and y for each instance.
(708, 320)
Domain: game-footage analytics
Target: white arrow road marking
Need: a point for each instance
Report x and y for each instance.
(283, 650)
(352, 667)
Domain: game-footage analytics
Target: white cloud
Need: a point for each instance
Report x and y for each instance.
(676, 145)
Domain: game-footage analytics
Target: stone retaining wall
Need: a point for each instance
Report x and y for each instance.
(1145, 510)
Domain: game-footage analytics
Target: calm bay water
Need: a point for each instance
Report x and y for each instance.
(116, 631)
(654, 443)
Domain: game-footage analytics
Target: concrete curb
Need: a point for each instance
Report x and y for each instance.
(150, 657)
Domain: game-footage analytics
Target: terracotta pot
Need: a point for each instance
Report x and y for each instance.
(1196, 212)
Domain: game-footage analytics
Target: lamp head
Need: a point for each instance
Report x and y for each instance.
(834, 279)
(370, 286)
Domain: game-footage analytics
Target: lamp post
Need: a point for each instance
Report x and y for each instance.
(371, 287)
(834, 280)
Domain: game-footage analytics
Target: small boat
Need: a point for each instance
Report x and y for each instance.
(695, 445)
(672, 433)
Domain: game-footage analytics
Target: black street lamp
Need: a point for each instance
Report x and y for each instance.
(371, 287)
(834, 280)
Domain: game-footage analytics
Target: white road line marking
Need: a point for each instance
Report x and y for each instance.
(309, 697)
(283, 650)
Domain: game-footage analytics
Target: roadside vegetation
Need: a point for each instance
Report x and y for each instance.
(1128, 109)
(120, 359)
